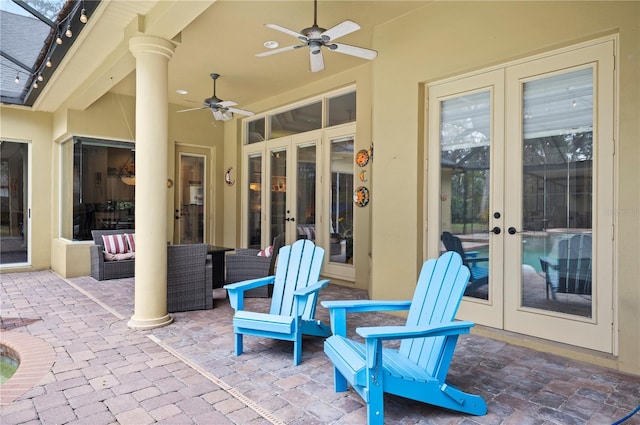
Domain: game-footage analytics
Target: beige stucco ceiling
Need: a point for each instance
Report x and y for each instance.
(211, 36)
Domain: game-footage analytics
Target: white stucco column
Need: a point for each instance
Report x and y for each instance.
(152, 56)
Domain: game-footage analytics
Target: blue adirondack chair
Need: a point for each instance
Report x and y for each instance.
(293, 304)
(479, 273)
(417, 370)
(570, 271)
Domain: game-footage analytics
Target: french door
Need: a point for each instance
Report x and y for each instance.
(302, 187)
(525, 157)
(289, 187)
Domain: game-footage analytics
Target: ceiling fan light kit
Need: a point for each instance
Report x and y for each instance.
(316, 37)
(222, 110)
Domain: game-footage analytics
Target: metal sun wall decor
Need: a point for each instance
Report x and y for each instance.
(361, 196)
(363, 158)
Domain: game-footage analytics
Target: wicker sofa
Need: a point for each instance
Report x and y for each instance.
(189, 272)
(245, 264)
(104, 270)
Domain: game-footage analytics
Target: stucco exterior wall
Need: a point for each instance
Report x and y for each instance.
(450, 38)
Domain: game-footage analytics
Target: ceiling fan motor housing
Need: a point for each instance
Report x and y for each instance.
(212, 100)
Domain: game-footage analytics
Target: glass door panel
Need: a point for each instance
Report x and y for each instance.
(557, 187)
(465, 141)
(280, 214)
(305, 192)
(254, 201)
(191, 203)
(340, 232)
(14, 203)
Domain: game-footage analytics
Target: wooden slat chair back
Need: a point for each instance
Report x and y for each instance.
(418, 369)
(570, 272)
(479, 273)
(296, 284)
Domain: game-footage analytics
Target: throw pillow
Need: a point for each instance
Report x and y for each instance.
(131, 241)
(114, 244)
(267, 252)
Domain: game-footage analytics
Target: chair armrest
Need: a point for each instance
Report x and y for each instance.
(547, 263)
(301, 295)
(305, 292)
(97, 262)
(236, 290)
(338, 311)
(408, 332)
(245, 251)
(249, 284)
(476, 259)
(359, 306)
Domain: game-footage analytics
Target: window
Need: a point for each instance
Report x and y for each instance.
(255, 131)
(330, 110)
(341, 109)
(99, 191)
(298, 120)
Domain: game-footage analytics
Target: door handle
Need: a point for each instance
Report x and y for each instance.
(496, 230)
(512, 230)
(290, 219)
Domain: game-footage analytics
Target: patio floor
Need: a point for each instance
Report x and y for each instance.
(104, 373)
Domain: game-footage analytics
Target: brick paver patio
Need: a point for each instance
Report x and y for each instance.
(105, 373)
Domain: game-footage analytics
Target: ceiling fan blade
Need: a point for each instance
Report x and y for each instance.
(286, 31)
(193, 109)
(353, 50)
(342, 29)
(226, 104)
(217, 114)
(240, 111)
(317, 63)
(280, 50)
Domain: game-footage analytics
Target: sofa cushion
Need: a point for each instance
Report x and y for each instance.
(114, 244)
(131, 241)
(119, 257)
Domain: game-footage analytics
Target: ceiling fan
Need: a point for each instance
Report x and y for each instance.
(222, 109)
(316, 37)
